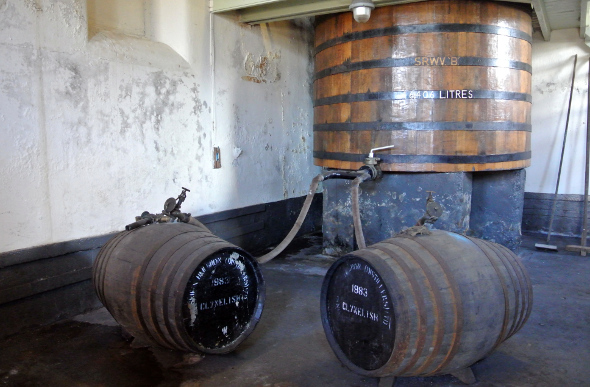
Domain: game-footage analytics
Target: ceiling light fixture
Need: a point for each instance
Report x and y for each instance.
(361, 10)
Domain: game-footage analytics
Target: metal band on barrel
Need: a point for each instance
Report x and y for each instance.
(426, 159)
(411, 62)
(491, 126)
(425, 28)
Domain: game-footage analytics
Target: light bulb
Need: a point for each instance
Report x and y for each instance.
(361, 10)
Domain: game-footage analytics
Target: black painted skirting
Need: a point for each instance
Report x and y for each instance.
(43, 284)
(568, 213)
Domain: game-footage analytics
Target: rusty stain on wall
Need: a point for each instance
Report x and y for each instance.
(32, 5)
(264, 69)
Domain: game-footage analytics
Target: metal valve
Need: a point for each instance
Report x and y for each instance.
(433, 211)
(372, 162)
(171, 213)
(380, 149)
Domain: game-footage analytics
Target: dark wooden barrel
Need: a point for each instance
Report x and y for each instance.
(447, 82)
(181, 287)
(423, 305)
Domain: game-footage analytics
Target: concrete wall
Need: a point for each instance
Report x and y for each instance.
(97, 127)
(552, 74)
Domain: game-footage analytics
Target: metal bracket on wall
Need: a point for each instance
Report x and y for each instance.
(216, 157)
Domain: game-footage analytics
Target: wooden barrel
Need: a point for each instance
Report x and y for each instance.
(179, 286)
(447, 82)
(424, 305)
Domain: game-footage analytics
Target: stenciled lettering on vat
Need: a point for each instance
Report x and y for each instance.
(219, 281)
(350, 308)
(436, 61)
(360, 290)
(237, 275)
(455, 94)
(361, 300)
(232, 300)
(440, 94)
(236, 260)
(384, 299)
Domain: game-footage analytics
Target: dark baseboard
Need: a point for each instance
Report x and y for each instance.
(43, 284)
(568, 217)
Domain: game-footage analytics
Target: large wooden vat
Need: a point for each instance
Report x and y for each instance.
(447, 82)
(423, 305)
(179, 286)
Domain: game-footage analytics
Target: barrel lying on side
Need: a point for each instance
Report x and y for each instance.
(179, 286)
(423, 305)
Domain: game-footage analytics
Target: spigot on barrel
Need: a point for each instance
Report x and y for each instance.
(372, 163)
(170, 213)
(181, 198)
(172, 205)
(433, 211)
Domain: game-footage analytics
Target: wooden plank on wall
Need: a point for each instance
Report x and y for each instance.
(541, 12)
(231, 5)
(584, 20)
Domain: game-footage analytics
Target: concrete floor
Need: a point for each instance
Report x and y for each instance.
(288, 348)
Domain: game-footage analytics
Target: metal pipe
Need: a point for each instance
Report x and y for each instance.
(562, 150)
(139, 223)
(587, 174)
(342, 174)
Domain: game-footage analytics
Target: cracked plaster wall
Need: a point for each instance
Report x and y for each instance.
(96, 131)
(552, 74)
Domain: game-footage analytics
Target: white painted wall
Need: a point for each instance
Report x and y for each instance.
(552, 74)
(94, 132)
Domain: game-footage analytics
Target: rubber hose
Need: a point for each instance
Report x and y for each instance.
(356, 215)
(298, 223)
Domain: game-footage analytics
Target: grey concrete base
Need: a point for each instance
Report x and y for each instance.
(392, 204)
(497, 203)
(487, 205)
